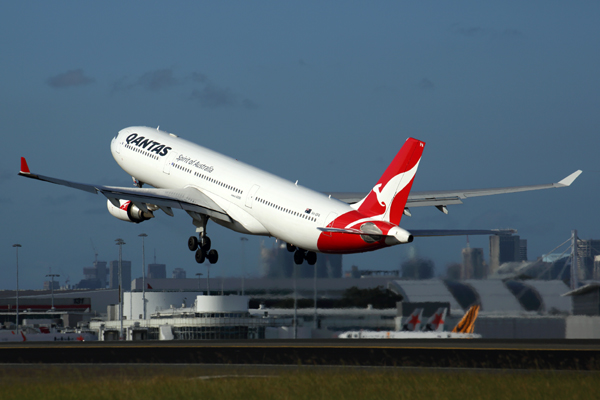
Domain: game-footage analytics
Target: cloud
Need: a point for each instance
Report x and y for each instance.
(71, 78)
(249, 104)
(426, 84)
(473, 31)
(153, 81)
(158, 80)
(199, 77)
(204, 91)
(213, 96)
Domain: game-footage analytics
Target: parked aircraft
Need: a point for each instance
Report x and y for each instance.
(463, 330)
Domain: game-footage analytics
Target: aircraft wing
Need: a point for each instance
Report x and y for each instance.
(188, 199)
(442, 198)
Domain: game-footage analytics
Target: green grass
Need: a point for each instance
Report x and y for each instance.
(224, 382)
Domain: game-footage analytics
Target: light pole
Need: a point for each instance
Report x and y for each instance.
(295, 304)
(199, 274)
(243, 240)
(208, 279)
(120, 243)
(16, 246)
(143, 235)
(52, 288)
(316, 324)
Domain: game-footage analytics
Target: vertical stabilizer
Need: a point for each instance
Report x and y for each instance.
(436, 321)
(387, 199)
(413, 321)
(467, 323)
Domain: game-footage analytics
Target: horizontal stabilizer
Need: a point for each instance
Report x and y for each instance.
(460, 232)
(340, 230)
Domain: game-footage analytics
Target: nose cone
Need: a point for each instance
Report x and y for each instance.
(115, 144)
(397, 235)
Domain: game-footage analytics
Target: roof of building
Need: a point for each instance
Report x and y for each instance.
(494, 296)
(590, 287)
(425, 290)
(551, 293)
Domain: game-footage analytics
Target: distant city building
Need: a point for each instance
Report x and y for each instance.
(178, 273)
(94, 277)
(473, 265)
(523, 249)
(505, 249)
(157, 271)
(88, 284)
(353, 273)
(278, 262)
(596, 276)
(369, 273)
(417, 268)
(587, 250)
(454, 271)
(48, 285)
(114, 274)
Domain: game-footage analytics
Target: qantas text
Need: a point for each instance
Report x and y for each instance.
(148, 144)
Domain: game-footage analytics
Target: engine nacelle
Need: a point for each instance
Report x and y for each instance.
(128, 212)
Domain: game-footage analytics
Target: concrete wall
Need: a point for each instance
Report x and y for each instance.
(521, 327)
(155, 301)
(583, 327)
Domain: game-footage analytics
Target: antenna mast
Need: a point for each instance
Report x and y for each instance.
(95, 254)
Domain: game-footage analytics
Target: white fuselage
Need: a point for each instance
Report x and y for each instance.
(259, 203)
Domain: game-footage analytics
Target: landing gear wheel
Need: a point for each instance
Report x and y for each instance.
(299, 257)
(311, 258)
(291, 248)
(205, 243)
(212, 256)
(200, 256)
(193, 243)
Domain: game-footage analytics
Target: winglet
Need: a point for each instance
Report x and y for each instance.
(24, 166)
(570, 179)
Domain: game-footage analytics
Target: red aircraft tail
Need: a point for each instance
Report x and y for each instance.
(388, 197)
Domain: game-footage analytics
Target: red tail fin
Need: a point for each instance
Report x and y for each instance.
(388, 198)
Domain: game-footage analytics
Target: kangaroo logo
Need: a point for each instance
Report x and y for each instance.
(377, 192)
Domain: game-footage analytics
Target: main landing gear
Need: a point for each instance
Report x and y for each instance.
(301, 255)
(202, 249)
(201, 244)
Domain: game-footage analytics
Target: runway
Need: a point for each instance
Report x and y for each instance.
(446, 353)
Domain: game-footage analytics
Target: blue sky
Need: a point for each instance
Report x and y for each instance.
(324, 92)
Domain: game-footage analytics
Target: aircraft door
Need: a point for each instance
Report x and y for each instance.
(167, 167)
(251, 195)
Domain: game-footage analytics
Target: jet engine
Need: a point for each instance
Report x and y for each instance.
(127, 211)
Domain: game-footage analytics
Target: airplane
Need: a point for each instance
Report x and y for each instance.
(211, 186)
